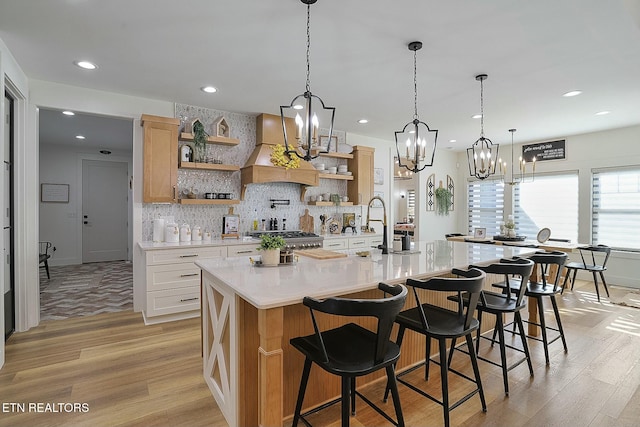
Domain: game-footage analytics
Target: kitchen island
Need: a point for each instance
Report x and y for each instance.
(250, 313)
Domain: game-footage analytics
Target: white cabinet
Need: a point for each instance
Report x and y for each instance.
(335, 244)
(359, 242)
(172, 282)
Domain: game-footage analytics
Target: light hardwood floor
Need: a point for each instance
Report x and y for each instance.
(134, 375)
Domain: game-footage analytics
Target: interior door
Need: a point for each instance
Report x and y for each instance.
(7, 250)
(104, 205)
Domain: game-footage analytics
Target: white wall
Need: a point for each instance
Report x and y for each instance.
(616, 147)
(60, 223)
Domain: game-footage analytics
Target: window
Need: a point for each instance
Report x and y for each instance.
(616, 208)
(486, 206)
(549, 201)
(411, 204)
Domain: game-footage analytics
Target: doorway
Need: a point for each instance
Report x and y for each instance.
(8, 249)
(104, 211)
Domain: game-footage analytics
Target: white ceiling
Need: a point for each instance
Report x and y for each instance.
(253, 51)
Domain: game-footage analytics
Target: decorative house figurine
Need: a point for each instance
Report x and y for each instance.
(221, 127)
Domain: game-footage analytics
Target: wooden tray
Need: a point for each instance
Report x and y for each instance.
(320, 254)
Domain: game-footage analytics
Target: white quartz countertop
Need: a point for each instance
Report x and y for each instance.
(145, 246)
(268, 287)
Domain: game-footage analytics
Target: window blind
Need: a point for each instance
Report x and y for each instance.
(550, 201)
(411, 203)
(616, 208)
(485, 206)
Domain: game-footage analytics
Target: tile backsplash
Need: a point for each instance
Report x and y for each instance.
(257, 202)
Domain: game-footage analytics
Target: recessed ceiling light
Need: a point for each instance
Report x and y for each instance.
(476, 116)
(68, 113)
(86, 65)
(572, 93)
(602, 113)
(209, 89)
(79, 137)
(298, 107)
(363, 121)
(453, 140)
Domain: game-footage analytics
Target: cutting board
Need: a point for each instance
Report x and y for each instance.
(320, 254)
(306, 222)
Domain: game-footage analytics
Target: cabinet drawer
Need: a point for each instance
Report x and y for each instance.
(335, 244)
(243, 250)
(172, 276)
(359, 242)
(167, 256)
(173, 301)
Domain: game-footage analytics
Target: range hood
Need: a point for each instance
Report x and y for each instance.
(259, 170)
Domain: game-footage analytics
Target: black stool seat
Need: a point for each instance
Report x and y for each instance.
(350, 351)
(440, 323)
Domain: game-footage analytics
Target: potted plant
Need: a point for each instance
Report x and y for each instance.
(510, 227)
(443, 201)
(199, 141)
(271, 244)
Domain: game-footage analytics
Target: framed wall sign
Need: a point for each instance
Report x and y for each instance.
(54, 193)
(552, 150)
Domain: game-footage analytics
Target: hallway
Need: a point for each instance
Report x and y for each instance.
(86, 289)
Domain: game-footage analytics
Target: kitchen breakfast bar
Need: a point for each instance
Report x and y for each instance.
(249, 314)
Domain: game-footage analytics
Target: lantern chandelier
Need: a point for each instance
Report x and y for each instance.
(308, 107)
(418, 141)
(482, 154)
(521, 176)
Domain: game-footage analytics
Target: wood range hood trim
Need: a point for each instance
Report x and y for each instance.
(258, 168)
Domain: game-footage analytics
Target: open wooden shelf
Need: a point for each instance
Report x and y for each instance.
(333, 154)
(221, 140)
(336, 176)
(330, 203)
(208, 201)
(208, 166)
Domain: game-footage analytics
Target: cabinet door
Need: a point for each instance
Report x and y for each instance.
(160, 153)
(360, 190)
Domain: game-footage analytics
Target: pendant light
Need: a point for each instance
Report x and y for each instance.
(482, 154)
(416, 142)
(310, 114)
(521, 176)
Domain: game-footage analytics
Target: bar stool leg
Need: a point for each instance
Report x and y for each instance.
(353, 395)
(604, 282)
(393, 385)
(503, 353)
(559, 322)
(303, 388)
(346, 385)
(523, 336)
(444, 370)
(595, 282)
(543, 329)
(476, 371)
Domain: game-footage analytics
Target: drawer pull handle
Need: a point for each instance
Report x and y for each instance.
(189, 256)
(190, 275)
(244, 252)
(189, 299)
(335, 244)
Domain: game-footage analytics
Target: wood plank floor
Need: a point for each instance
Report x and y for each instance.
(129, 374)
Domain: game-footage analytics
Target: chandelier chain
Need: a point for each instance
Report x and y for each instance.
(308, 47)
(481, 109)
(415, 84)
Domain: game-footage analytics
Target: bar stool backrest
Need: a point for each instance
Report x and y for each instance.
(469, 281)
(385, 310)
(520, 267)
(593, 250)
(544, 260)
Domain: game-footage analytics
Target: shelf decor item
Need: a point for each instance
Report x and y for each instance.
(221, 128)
(416, 142)
(482, 155)
(443, 201)
(199, 142)
(310, 114)
(270, 245)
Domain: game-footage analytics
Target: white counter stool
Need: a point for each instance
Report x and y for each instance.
(351, 351)
(442, 324)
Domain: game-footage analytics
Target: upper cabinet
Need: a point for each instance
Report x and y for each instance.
(360, 190)
(160, 154)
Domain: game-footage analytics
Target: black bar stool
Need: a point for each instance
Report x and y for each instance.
(441, 324)
(516, 271)
(595, 267)
(351, 351)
